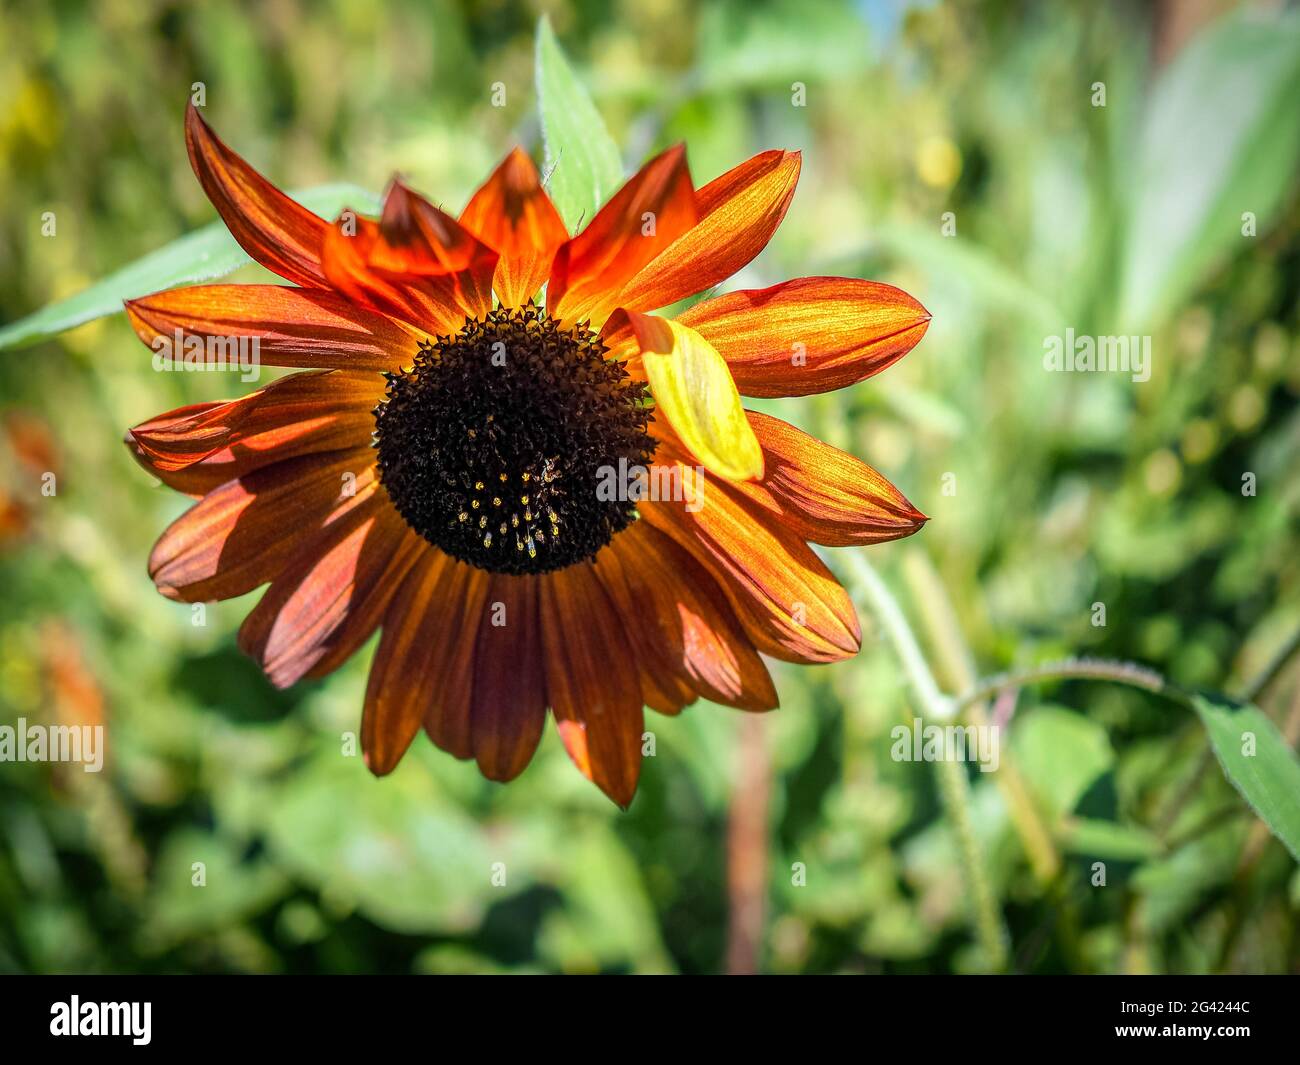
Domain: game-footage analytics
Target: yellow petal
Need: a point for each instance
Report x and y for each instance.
(694, 391)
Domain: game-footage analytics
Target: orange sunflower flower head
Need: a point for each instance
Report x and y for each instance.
(554, 505)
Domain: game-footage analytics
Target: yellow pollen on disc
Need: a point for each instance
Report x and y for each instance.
(496, 501)
(487, 540)
(462, 516)
(474, 503)
(478, 486)
(532, 551)
(523, 500)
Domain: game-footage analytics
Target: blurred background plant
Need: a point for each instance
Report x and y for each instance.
(791, 842)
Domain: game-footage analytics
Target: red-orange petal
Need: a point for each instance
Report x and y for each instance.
(822, 494)
(509, 697)
(683, 623)
(345, 256)
(421, 241)
(280, 234)
(594, 691)
(812, 334)
(664, 686)
(368, 613)
(272, 325)
(417, 264)
(294, 415)
(512, 213)
(738, 213)
(245, 532)
(423, 671)
(790, 605)
(161, 424)
(396, 692)
(342, 574)
(651, 211)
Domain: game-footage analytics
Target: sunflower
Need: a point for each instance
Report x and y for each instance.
(553, 506)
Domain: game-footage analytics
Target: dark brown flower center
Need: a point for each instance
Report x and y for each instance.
(495, 444)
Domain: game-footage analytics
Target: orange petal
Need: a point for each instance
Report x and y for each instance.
(509, 699)
(813, 334)
(789, 603)
(161, 425)
(654, 208)
(664, 690)
(280, 234)
(823, 494)
(513, 214)
(345, 257)
(245, 532)
(338, 587)
(684, 624)
(591, 680)
(272, 324)
(395, 697)
(738, 213)
(295, 415)
(421, 241)
(663, 686)
(423, 671)
(417, 264)
(368, 613)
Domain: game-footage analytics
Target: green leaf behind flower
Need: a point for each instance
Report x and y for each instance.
(205, 254)
(581, 157)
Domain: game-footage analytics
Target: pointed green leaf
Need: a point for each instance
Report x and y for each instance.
(199, 256)
(581, 157)
(1257, 760)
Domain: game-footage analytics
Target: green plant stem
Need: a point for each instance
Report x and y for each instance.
(1120, 672)
(954, 789)
(885, 607)
(957, 668)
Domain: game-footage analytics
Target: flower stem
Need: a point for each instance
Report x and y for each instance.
(1129, 673)
(954, 788)
(956, 667)
(887, 611)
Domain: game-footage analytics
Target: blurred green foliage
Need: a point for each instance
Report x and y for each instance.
(1071, 490)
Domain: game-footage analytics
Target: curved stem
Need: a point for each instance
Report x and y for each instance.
(955, 666)
(1129, 673)
(954, 788)
(887, 611)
